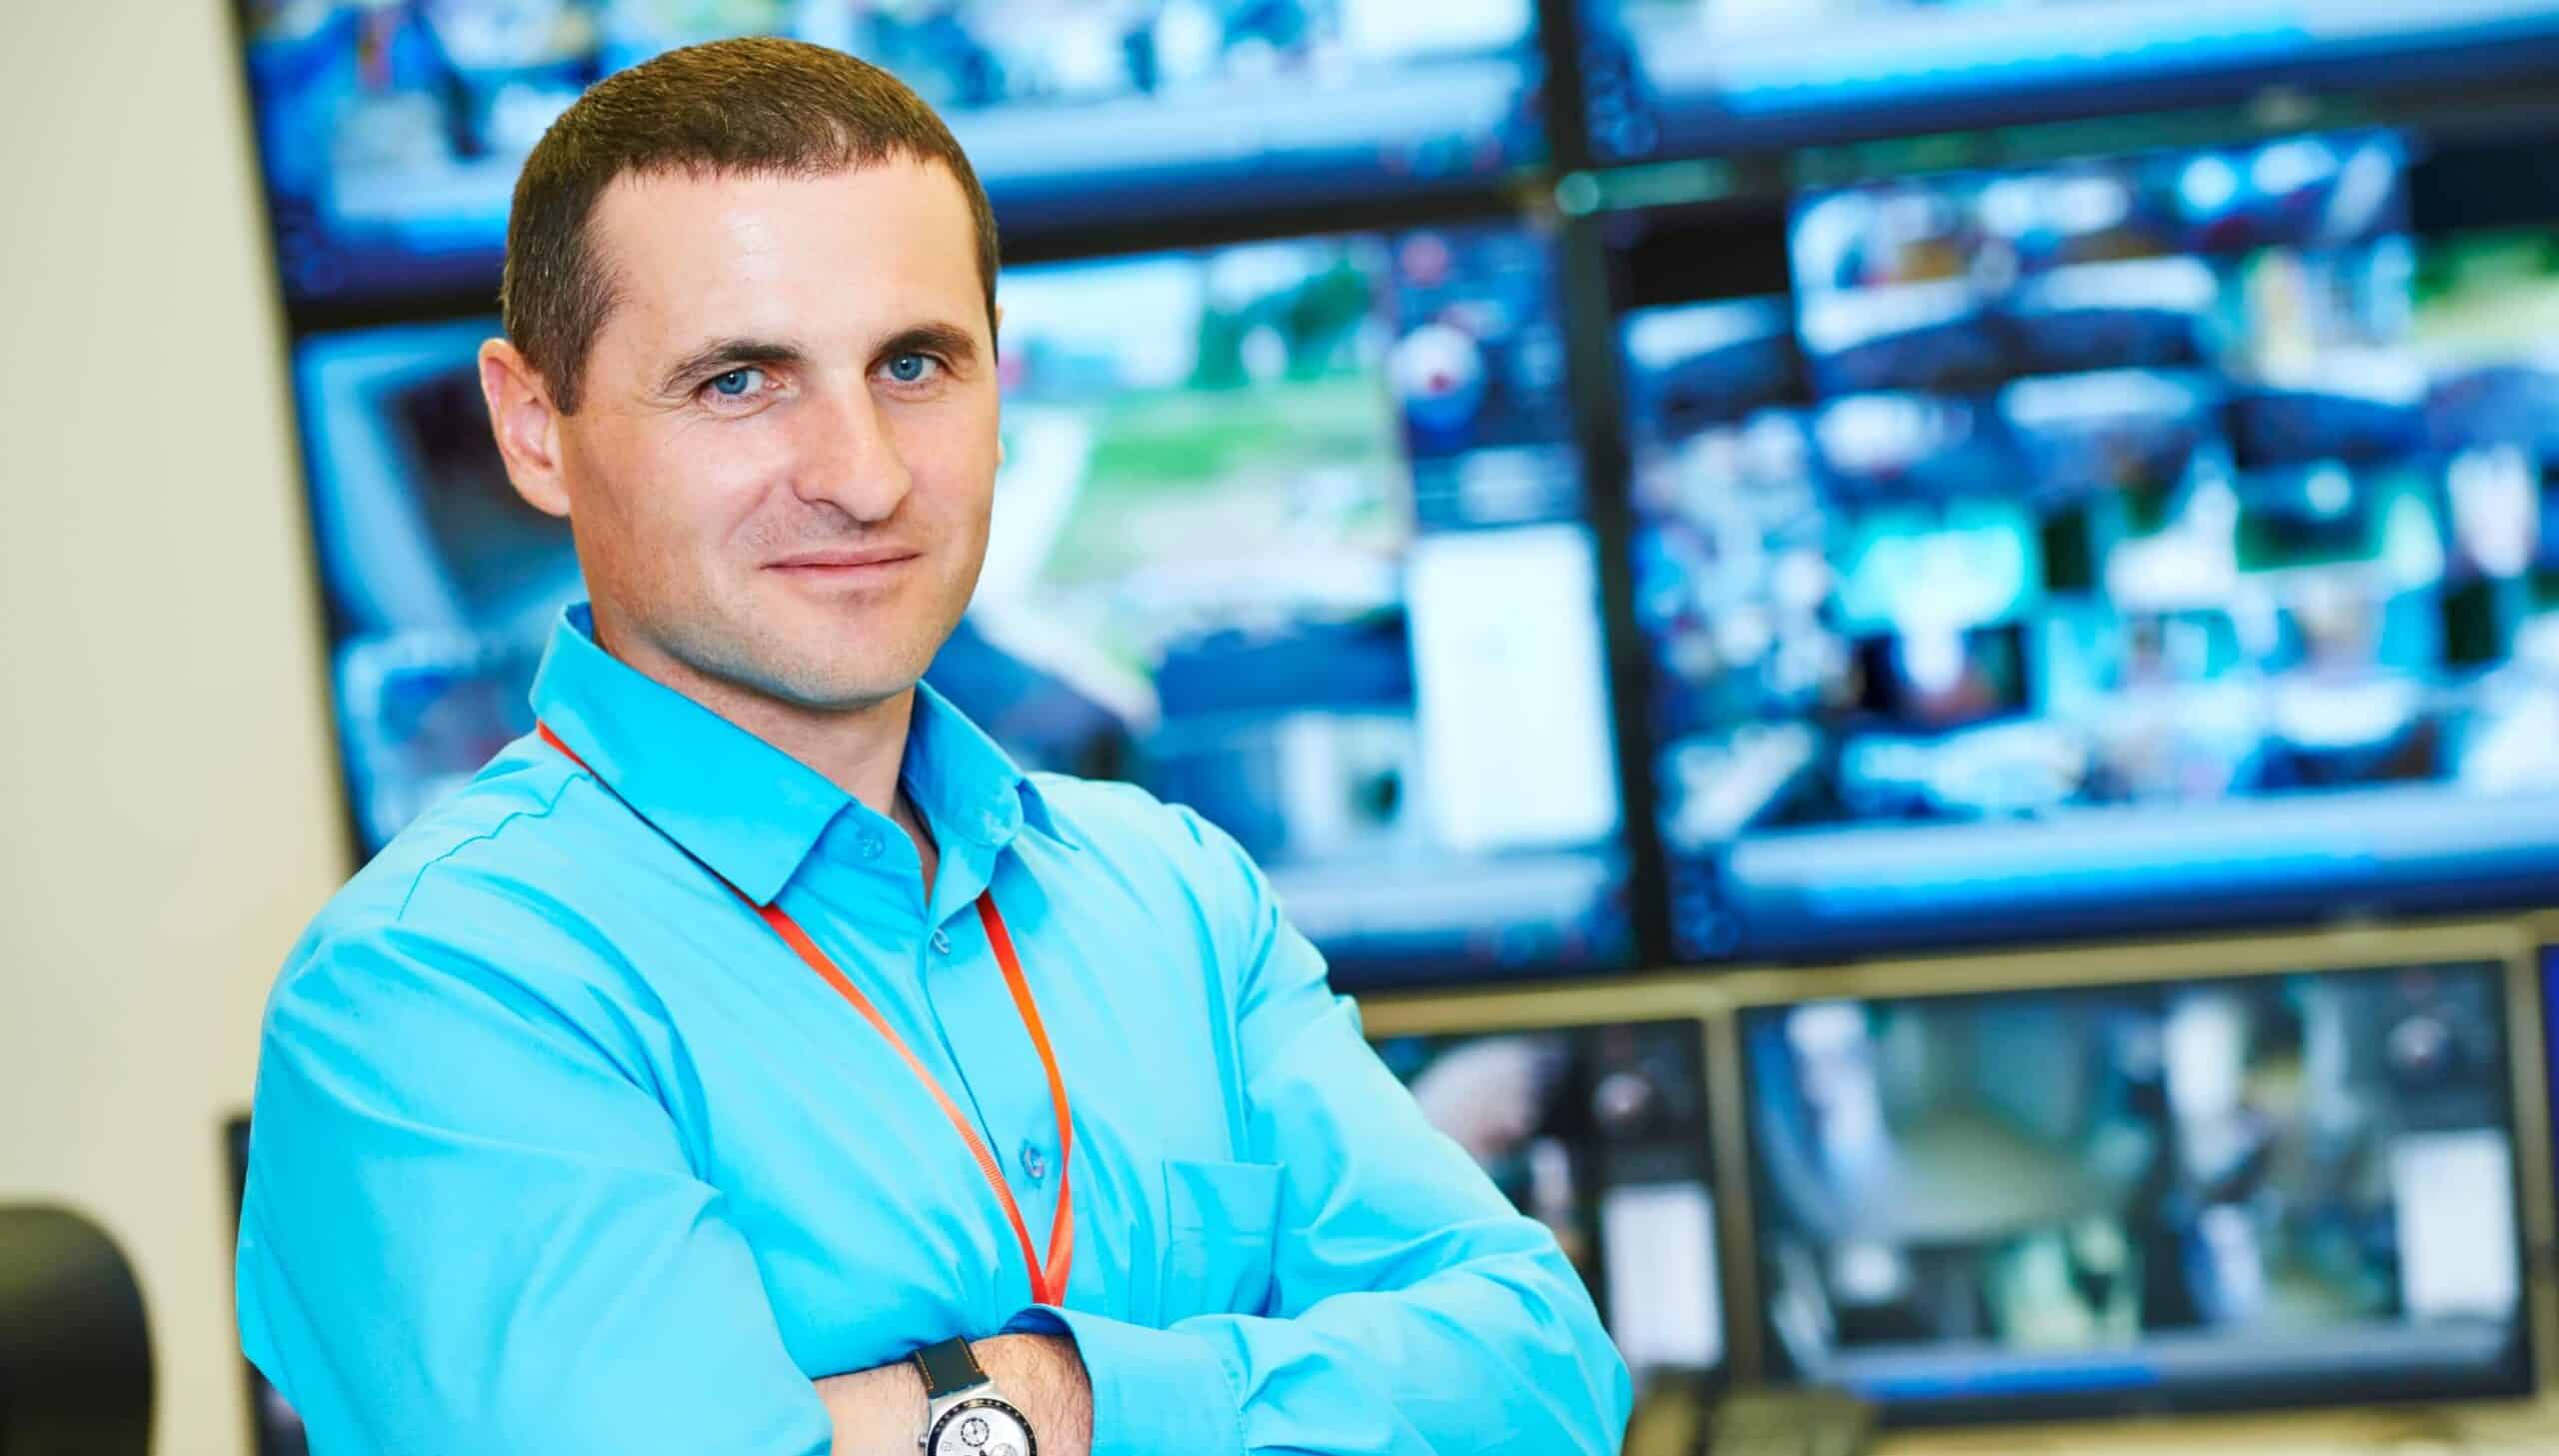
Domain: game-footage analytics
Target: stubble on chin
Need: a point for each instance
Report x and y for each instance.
(801, 661)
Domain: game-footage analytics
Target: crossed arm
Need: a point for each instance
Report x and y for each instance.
(470, 1225)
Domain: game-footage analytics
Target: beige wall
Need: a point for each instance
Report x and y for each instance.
(168, 811)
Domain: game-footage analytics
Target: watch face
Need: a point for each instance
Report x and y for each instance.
(981, 1427)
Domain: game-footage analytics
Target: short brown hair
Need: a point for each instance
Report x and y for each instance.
(756, 106)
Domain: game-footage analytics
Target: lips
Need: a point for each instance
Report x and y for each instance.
(845, 559)
(841, 574)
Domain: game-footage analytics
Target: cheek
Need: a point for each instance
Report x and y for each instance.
(950, 454)
(688, 490)
(658, 511)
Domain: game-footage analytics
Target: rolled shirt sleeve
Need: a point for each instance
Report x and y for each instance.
(1414, 1310)
(469, 1225)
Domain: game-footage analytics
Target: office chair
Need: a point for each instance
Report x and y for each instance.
(75, 1353)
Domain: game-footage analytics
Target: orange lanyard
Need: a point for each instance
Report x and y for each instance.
(1048, 1277)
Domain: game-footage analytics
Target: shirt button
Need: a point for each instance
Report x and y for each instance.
(941, 943)
(1034, 1163)
(870, 844)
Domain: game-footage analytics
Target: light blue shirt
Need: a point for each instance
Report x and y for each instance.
(557, 1148)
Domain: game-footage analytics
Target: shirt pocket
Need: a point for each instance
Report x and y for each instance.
(1220, 1220)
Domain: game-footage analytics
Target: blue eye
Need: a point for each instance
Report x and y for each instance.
(736, 383)
(909, 367)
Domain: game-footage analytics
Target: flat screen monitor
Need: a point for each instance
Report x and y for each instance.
(2209, 1192)
(273, 1423)
(2154, 540)
(1289, 531)
(1675, 78)
(440, 583)
(1304, 519)
(1598, 1130)
(392, 132)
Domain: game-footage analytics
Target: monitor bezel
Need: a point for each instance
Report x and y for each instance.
(2506, 944)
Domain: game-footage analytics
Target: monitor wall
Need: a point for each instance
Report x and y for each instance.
(2507, 975)
(1933, 794)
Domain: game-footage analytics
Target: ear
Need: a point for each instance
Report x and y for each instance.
(526, 425)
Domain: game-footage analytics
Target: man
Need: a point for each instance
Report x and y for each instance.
(757, 1028)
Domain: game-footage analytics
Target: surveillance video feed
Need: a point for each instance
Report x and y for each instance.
(2214, 1192)
(440, 583)
(1303, 518)
(1598, 1133)
(1669, 78)
(2147, 539)
(1289, 532)
(393, 130)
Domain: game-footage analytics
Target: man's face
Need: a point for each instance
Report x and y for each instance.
(785, 453)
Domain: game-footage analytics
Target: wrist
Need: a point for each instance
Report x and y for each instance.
(983, 1399)
(1016, 1354)
(881, 1410)
(1044, 1376)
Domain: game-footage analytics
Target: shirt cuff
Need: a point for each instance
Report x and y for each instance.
(1152, 1390)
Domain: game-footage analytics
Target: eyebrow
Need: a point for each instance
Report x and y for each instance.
(952, 343)
(721, 355)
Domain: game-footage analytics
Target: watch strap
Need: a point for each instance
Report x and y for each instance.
(949, 1368)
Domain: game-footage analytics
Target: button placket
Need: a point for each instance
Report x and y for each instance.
(999, 1066)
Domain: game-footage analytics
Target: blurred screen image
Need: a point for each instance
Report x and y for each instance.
(392, 130)
(2127, 540)
(1304, 518)
(1289, 532)
(440, 583)
(1670, 78)
(1598, 1133)
(2271, 1189)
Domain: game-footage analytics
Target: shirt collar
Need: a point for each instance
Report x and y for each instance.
(744, 808)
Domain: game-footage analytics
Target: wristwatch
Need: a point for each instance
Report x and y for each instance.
(964, 1414)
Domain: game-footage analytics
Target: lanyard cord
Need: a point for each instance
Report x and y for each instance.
(1049, 1276)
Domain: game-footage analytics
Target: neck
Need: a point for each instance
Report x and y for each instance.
(860, 750)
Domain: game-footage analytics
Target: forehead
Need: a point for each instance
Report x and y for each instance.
(865, 249)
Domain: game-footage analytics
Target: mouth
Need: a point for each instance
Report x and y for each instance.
(844, 565)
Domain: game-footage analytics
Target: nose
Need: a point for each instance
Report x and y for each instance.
(850, 459)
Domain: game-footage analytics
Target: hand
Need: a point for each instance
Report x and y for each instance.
(880, 1412)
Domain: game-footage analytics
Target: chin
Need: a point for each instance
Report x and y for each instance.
(839, 686)
(814, 672)
(821, 656)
